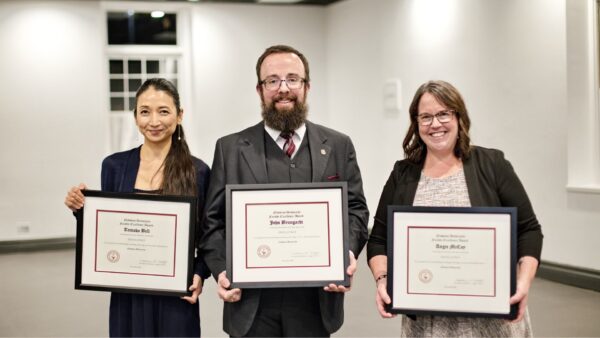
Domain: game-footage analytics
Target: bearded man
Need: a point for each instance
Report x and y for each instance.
(283, 148)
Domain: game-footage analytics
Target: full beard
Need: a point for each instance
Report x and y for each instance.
(285, 120)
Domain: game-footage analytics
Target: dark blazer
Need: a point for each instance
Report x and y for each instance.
(240, 159)
(491, 182)
(119, 172)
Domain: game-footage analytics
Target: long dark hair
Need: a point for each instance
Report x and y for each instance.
(179, 175)
(415, 149)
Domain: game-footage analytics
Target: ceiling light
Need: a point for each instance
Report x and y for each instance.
(157, 14)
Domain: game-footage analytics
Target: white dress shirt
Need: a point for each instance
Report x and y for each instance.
(298, 136)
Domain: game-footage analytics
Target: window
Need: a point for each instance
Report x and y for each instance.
(141, 45)
(135, 28)
(128, 74)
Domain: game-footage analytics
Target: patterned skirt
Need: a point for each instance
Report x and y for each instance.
(439, 326)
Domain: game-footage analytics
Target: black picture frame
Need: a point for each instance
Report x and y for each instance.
(294, 197)
(495, 304)
(96, 229)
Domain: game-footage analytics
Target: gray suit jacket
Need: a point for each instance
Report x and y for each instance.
(240, 159)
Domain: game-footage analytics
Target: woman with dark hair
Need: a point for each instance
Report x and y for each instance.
(161, 165)
(442, 168)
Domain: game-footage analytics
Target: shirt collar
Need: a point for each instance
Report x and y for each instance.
(298, 133)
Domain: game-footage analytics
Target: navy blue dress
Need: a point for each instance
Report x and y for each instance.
(134, 315)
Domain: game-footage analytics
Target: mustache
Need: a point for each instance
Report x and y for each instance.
(287, 96)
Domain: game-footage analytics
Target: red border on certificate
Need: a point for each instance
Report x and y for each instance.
(413, 227)
(290, 266)
(98, 211)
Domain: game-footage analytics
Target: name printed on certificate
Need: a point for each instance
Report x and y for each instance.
(287, 235)
(135, 243)
(451, 261)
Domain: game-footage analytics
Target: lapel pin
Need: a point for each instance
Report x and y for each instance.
(323, 152)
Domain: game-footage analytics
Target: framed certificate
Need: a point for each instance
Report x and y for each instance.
(136, 243)
(287, 235)
(452, 261)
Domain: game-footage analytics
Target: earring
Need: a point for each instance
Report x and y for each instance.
(179, 132)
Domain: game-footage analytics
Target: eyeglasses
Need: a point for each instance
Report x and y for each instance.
(444, 116)
(292, 82)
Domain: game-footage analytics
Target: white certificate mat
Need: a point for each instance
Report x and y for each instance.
(284, 235)
(452, 261)
(136, 243)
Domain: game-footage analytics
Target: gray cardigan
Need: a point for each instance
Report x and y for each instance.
(491, 182)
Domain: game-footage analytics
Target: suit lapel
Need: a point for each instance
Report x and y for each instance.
(253, 151)
(319, 151)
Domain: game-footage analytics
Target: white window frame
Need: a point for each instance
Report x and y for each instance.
(181, 51)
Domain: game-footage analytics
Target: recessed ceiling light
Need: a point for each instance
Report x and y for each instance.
(157, 14)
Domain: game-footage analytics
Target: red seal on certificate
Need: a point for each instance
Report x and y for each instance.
(425, 276)
(113, 256)
(263, 251)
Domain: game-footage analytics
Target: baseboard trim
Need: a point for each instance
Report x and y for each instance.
(570, 275)
(37, 244)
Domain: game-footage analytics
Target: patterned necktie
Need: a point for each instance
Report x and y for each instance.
(288, 146)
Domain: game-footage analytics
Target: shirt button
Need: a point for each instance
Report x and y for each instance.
(293, 165)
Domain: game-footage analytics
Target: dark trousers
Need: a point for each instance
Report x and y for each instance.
(288, 312)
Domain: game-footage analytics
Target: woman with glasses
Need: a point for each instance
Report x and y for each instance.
(161, 165)
(442, 168)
